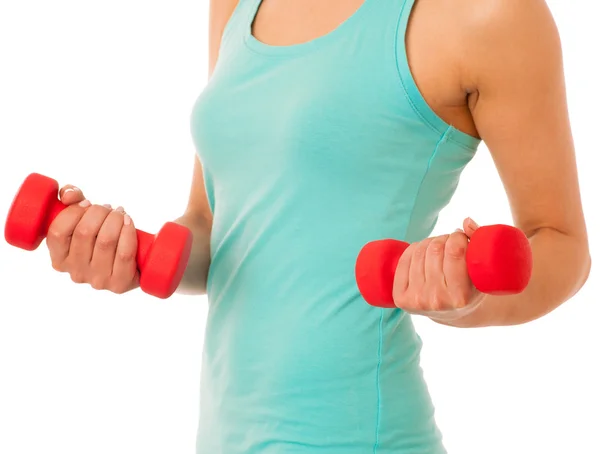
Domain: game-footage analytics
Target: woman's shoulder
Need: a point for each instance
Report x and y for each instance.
(497, 36)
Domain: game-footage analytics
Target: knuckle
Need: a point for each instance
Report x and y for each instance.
(118, 290)
(98, 283)
(456, 249)
(459, 237)
(106, 243)
(126, 256)
(436, 247)
(119, 287)
(77, 276)
(55, 234)
(420, 249)
(82, 231)
(58, 266)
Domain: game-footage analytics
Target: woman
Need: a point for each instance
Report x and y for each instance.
(326, 125)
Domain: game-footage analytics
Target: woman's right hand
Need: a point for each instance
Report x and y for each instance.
(95, 244)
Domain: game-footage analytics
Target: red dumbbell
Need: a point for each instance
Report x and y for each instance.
(161, 258)
(499, 262)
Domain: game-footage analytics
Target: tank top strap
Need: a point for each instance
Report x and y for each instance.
(389, 15)
(238, 23)
(380, 26)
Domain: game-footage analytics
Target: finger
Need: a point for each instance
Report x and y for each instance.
(85, 233)
(105, 246)
(70, 194)
(469, 227)
(60, 234)
(125, 275)
(434, 261)
(416, 275)
(455, 268)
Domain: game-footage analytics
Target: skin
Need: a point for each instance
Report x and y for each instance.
(513, 93)
(94, 244)
(498, 77)
(79, 232)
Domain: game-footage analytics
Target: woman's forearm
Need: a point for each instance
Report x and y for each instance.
(561, 265)
(195, 276)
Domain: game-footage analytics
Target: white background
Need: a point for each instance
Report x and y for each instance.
(99, 94)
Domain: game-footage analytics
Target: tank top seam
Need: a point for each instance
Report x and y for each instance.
(406, 91)
(443, 138)
(452, 130)
(399, 71)
(378, 381)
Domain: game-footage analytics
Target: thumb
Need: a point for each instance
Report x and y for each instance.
(469, 226)
(70, 195)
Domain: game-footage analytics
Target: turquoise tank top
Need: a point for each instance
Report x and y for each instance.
(309, 152)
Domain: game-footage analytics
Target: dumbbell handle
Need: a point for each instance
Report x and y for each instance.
(499, 262)
(144, 239)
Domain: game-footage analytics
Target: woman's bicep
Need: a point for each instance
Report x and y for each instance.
(522, 116)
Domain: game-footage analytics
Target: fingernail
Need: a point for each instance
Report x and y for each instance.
(458, 230)
(68, 190)
(85, 203)
(126, 219)
(120, 210)
(107, 205)
(473, 224)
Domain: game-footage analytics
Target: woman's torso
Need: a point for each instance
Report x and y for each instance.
(310, 151)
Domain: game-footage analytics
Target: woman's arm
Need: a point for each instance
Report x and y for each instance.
(515, 72)
(198, 216)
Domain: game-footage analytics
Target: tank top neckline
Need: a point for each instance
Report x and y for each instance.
(260, 47)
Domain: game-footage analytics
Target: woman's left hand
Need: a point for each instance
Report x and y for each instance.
(432, 279)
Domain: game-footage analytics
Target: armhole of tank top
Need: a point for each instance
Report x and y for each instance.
(412, 91)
